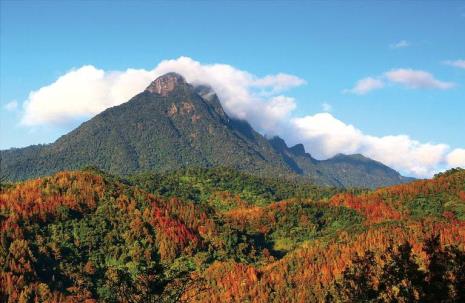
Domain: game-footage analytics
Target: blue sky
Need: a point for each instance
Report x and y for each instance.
(329, 44)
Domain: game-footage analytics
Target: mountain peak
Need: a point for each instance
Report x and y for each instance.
(278, 143)
(175, 125)
(166, 83)
(353, 157)
(298, 149)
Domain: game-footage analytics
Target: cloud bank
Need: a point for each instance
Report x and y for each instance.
(325, 136)
(86, 91)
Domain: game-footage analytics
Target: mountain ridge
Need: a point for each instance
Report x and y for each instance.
(172, 125)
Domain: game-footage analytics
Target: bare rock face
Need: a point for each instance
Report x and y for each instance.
(163, 85)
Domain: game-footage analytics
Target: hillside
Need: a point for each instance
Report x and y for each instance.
(202, 235)
(173, 125)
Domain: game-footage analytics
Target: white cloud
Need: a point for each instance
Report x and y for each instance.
(456, 63)
(279, 82)
(273, 114)
(416, 79)
(326, 107)
(81, 93)
(325, 136)
(11, 106)
(365, 85)
(243, 95)
(87, 90)
(407, 77)
(400, 44)
(456, 158)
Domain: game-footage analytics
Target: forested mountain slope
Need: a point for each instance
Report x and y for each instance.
(174, 125)
(341, 170)
(202, 235)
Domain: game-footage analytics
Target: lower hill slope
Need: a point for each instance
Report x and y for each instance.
(203, 235)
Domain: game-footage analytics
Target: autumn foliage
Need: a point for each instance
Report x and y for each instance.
(90, 237)
(45, 221)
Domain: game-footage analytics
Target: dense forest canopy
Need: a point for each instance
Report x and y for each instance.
(203, 235)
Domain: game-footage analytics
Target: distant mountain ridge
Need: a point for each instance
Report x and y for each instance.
(341, 170)
(172, 125)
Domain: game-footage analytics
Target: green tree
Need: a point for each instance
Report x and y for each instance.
(358, 281)
(401, 279)
(397, 277)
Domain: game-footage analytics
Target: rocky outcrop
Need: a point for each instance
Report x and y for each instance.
(165, 84)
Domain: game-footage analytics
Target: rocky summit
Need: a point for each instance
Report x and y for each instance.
(165, 84)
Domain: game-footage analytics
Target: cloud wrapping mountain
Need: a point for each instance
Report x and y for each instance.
(324, 136)
(86, 91)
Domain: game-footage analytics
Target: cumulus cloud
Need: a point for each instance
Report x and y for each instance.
(81, 93)
(325, 136)
(456, 63)
(416, 79)
(86, 91)
(400, 44)
(11, 106)
(273, 114)
(365, 85)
